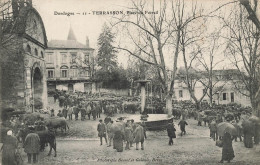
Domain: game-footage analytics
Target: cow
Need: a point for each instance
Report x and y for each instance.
(176, 113)
(54, 123)
(45, 137)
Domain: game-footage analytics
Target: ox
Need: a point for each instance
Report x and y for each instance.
(54, 123)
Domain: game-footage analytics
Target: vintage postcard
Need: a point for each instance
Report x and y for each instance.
(150, 82)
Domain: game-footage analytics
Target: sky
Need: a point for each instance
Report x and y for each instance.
(86, 22)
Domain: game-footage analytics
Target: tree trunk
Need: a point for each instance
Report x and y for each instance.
(197, 105)
(255, 106)
(169, 104)
(210, 97)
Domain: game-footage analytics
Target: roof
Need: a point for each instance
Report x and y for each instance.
(72, 44)
(20, 25)
(71, 35)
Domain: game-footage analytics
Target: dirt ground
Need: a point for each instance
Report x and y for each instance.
(80, 145)
(193, 148)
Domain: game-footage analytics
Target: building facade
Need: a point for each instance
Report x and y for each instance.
(69, 65)
(23, 44)
(225, 91)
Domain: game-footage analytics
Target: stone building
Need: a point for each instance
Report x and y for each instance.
(228, 88)
(22, 48)
(69, 65)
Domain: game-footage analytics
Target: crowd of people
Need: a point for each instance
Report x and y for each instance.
(119, 132)
(123, 135)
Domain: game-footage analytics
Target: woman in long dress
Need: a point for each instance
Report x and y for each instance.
(227, 150)
(118, 141)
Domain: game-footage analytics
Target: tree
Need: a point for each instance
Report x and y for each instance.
(243, 50)
(106, 56)
(209, 58)
(251, 8)
(156, 35)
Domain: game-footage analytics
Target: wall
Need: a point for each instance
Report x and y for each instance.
(120, 92)
(79, 87)
(228, 89)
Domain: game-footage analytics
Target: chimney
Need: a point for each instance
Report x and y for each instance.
(15, 8)
(87, 42)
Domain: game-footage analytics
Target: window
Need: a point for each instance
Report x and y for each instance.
(73, 72)
(28, 49)
(49, 58)
(224, 96)
(87, 58)
(180, 94)
(64, 73)
(64, 58)
(42, 54)
(87, 73)
(36, 52)
(73, 58)
(50, 73)
(232, 96)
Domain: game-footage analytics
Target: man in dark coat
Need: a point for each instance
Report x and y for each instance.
(60, 114)
(139, 136)
(182, 124)
(99, 110)
(10, 144)
(213, 130)
(76, 112)
(101, 128)
(128, 136)
(32, 146)
(94, 112)
(52, 112)
(65, 112)
(171, 132)
(227, 149)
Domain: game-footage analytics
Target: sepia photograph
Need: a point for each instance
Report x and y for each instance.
(129, 82)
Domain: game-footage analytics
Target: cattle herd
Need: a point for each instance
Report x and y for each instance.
(45, 123)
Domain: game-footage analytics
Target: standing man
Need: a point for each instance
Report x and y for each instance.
(109, 132)
(52, 112)
(182, 124)
(32, 146)
(213, 130)
(101, 128)
(128, 136)
(65, 112)
(70, 111)
(139, 136)
(99, 109)
(94, 111)
(171, 132)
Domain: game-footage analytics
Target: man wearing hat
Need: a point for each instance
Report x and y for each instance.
(101, 128)
(32, 146)
(171, 132)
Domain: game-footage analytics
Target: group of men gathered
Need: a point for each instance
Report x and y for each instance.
(119, 132)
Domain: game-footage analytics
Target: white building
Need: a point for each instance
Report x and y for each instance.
(224, 90)
(69, 65)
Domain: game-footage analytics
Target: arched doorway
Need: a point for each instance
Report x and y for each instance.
(37, 84)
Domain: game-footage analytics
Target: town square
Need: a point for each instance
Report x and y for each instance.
(130, 82)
